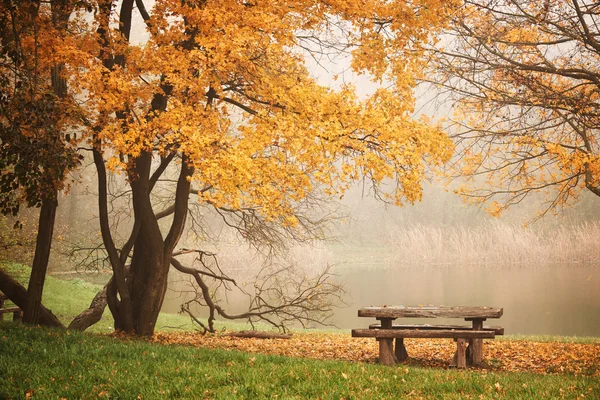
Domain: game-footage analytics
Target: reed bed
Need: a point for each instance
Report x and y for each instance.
(495, 243)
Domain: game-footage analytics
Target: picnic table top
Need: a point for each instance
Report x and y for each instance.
(430, 311)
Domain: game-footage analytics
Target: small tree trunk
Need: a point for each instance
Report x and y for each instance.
(60, 17)
(39, 267)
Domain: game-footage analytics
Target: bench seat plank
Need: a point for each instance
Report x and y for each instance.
(425, 333)
(498, 330)
(9, 310)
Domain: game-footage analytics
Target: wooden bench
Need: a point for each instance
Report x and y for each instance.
(389, 357)
(385, 332)
(400, 349)
(16, 311)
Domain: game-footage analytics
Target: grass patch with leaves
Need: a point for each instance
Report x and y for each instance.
(67, 298)
(48, 363)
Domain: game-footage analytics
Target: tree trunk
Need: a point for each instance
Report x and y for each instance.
(93, 314)
(149, 271)
(118, 297)
(149, 286)
(18, 295)
(148, 275)
(31, 314)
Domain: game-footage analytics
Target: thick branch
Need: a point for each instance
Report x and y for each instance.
(182, 193)
(93, 314)
(118, 266)
(18, 295)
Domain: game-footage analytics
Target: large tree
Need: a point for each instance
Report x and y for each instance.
(524, 77)
(35, 152)
(218, 93)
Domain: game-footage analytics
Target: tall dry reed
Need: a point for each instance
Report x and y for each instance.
(494, 244)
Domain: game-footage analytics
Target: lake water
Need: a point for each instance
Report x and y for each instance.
(554, 300)
(548, 299)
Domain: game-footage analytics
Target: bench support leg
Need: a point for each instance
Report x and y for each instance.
(400, 350)
(461, 353)
(386, 346)
(386, 352)
(470, 352)
(477, 344)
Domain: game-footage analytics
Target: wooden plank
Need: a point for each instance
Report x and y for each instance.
(16, 312)
(415, 333)
(430, 312)
(9, 310)
(498, 330)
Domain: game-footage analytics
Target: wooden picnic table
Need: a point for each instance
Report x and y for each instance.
(385, 332)
(16, 311)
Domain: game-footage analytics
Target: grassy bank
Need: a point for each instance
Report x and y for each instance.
(52, 364)
(67, 299)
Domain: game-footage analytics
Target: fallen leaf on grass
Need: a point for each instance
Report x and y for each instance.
(499, 355)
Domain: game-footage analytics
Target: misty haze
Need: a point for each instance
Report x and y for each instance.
(347, 199)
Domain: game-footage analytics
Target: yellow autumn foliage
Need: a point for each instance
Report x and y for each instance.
(242, 106)
(523, 76)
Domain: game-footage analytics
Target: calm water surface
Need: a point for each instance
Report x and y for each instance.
(554, 300)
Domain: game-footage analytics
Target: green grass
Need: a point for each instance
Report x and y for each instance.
(551, 338)
(53, 364)
(68, 298)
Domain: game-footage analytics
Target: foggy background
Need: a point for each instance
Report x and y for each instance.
(439, 251)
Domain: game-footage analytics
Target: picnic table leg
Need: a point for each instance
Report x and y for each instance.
(454, 362)
(386, 353)
(400, 350)
(477, 344)
(461, 353)
(386, 346)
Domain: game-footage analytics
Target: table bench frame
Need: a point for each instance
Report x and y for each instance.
(385, 332)
(389, 357)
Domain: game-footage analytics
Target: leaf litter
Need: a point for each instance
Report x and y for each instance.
(499, 355)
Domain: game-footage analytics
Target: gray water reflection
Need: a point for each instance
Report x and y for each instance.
(553, 300)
